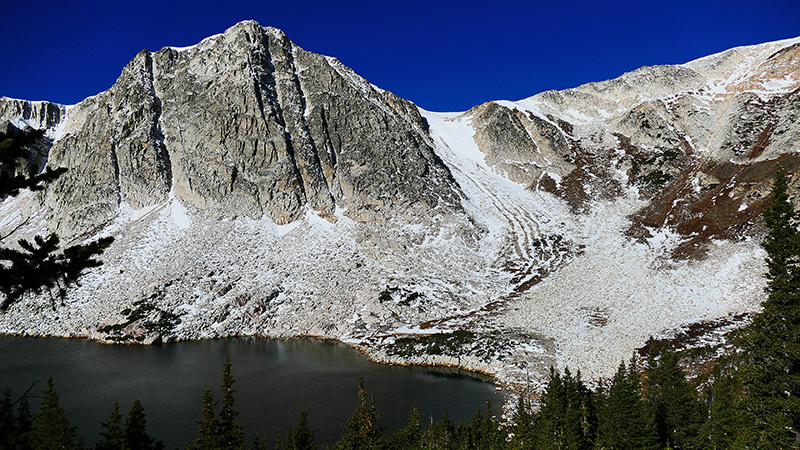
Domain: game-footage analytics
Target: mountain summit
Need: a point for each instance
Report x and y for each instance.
(255, 188)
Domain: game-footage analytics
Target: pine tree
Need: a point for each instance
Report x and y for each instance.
(303, 438)
(7, 429)
(24, 425)
(410, 437)
(51, 430)
(673, 402)
(770, 368)
(725, 417)
(567, 419)
(135, 433)
(362, 432)
(113, 437)
(624, 422)
(482, 432)
(440, 435)
(523, 425)
(230, 432)
(39, 265)
(207, 434)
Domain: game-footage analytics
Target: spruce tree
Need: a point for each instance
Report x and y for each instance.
(23, 425)
(441, 435)
(113, 437)
(362, 432)
(7, 429)
(41, 265)
(725, 418)
(624, 422)
(410, 437)
(673, 401)
(523, 425)
(230, 432)
(303, 437)
(567, 419)
(770, 367)
(135, 433)
(207, 434)
(51, 430)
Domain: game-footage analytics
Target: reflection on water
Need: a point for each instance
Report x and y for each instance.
(276, 380)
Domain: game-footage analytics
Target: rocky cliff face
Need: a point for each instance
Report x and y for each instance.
(244, 123)
(257, 188)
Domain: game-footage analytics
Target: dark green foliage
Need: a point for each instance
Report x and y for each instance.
(441, 435)
(523, 425)
(51, 430)
(673, 402)
(302, 439)
(135, 433)
(24, 425)
(207, 432)
(624, 422)
(147, 315)
(769, 373)
(361, 430)
(782, 244)
(725, 418)
(410, 437)
(14, 149)
(230, 432)
(482, 432)
(567, 419)
(6, 421)
(39, 265)
(113, 437)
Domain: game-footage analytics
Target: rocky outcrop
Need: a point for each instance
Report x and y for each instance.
(244, 123)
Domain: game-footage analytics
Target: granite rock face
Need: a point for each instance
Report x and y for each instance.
(244, 123)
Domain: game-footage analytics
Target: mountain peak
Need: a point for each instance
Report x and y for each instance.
(257, 188)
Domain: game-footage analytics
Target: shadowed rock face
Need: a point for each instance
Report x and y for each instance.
(245, 123)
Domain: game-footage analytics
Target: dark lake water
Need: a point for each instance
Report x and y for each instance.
(276, 380)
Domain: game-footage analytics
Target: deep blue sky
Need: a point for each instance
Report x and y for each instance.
(443, 55)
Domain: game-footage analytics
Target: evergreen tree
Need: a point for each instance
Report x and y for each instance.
(113, 437)
(135, 433)
(770, 368)
(440, 435)
(523, 425)
(7, 431)
(51, 430)
(39, 265)
(207, 435)
(362, 432)
(725, 418)
(24, 425)
(230, 432)
(302, 439)
(410, 437)
(673, 402)
(482, 432)
(624, 422)
(567, 419)
(260, 443)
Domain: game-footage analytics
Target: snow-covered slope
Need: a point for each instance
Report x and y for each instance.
(294, 198)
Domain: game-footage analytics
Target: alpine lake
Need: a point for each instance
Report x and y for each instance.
(275, 381)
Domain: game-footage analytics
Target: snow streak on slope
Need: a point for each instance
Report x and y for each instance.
(606, 300)
(526, 230)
